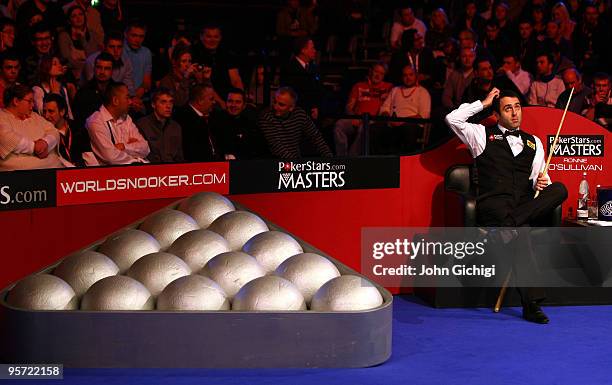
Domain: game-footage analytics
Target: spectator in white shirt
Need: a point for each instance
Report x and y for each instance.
(512, 68)
(409, 100)
(407, 21)
(115, 139)
(546, 89)
(27, 140)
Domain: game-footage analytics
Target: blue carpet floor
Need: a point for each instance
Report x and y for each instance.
(435, 346)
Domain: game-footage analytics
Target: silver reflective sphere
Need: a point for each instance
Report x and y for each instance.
(197, 247)
(205, 207)
(269, 293)
(193, 293)
(118, 293)
(166, 226)
(346, 293)
(232, 271)
(271, 248)
(127, 246)
(238, 227)
(43, 292)
(308, 272)
(83, 269)
(157, 270)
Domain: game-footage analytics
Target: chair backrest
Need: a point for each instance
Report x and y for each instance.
(458, 179)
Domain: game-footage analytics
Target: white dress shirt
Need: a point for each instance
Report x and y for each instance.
(105, 132)
(521, 79)
(475, 137)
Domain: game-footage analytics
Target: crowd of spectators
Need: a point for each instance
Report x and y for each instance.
(79, 87)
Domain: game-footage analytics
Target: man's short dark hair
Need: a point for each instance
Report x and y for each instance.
(601, 76)
(299, 44)
(210, 26)
(4, 21)
(104, 56)
(112, 89)
(179, 51)
(161, 92)
(113, 35)
(9, 55)
(513, 54)
(136, 23)
(197, 92)
(237, 91)
(503, 94)
(40, 27)
(16, 91)
(549, 56)
(492, 23)
(481, 59)
(57, 99)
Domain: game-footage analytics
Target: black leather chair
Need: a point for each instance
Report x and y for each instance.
(461, 180)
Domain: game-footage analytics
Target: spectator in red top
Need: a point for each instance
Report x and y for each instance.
(365, 97)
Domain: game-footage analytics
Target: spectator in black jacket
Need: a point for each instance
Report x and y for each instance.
(199, 144)
(302, 75)
(236, 129)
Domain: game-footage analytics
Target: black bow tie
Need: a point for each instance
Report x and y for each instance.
(513, 133)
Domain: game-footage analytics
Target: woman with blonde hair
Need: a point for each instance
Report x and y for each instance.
(561, 15)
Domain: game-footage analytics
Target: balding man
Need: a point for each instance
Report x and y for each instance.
(285, 125)
(572, 78)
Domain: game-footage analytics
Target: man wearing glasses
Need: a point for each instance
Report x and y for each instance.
(27, 140)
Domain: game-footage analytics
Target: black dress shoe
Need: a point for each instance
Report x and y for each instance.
(533, 313)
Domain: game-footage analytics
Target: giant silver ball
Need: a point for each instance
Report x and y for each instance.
(193, 293)
(166, 226)
(271, 248)
(83, 269)
(43, 292)
(127, 246)
(157, 270)
(205, 207)
(197, 247)
(269, 293)
(238, 227)
(346, 293)
(117, 292)
(232, 271)
(308, 272)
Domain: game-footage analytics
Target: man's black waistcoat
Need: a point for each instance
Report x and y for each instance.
(502, 178)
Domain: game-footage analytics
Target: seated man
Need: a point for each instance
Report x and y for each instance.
(199, 143)
(573, 79)
(27, 141)
(284, 125)
(509, 163)
(236, 129)
(9, 71)
(365, 97)
(56, 113)
(600, 100)
(547, 87)
(162, 132)
(115, 139)
(409, 100)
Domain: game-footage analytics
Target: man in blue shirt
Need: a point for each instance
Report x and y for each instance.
(140, 57)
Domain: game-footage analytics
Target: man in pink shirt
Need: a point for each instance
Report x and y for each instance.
(365, 97)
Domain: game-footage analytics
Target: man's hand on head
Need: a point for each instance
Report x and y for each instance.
(488, 101)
